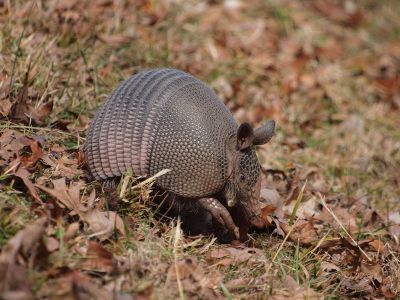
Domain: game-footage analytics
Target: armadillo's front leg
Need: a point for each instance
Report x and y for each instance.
(219, 213)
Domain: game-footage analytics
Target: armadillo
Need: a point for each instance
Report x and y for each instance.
(167, 119)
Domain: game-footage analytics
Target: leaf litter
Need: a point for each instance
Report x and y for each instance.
(327, 71)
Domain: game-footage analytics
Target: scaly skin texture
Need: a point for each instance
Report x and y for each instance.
(167, 119)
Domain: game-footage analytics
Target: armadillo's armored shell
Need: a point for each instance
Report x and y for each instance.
(163, 119)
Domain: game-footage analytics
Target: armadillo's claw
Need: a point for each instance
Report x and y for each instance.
(220, 213)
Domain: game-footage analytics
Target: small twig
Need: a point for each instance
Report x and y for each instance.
(176, 245)
(344, 229)
(15, 166)
(150, 179)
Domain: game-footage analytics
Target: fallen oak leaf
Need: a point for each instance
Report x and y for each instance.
(11, 143)
(67, 284)
(71, 231)
(360, 286)
(328, 267)
(116, 40)
(101, 223)
(5, 107)
(193, 278)
(304, 233)
(229, 255)
(98, 259)
(21, 243)
(298, 292)
(265, 214)
(350, 17)
(52, 244)
(377, 245)
(37, 153)
(388, 86)
(16, 169)
(68, 196)
(24, 109)
(24, 240)
(184, 268)
(64, 166)
(82, 287)
(238, 283)
(394, 225)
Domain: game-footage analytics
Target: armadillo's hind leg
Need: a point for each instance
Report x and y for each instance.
(219, 213)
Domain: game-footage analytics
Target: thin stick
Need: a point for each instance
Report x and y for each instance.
(344, 229)
(150, 179)
(176, 242)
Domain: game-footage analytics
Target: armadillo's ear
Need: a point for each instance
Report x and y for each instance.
(263, 134)
(245, 136)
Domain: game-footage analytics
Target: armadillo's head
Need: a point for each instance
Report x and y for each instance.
(245, 183)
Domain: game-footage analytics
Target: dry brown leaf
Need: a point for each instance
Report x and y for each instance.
(183, 268)
(377, 245)
(83, 287)
(11, 143)
(296, 292)
(37, 153)
(52, 244)
(193, 278)
(328, 267)
(361, 286)
(237, 283)
(304, 233)
(229, 255)
(346, 218)
(331, 49)
(394, 224)
(24, 174)
(101, 223)
(20, 244)
(98, 259)
(116, 40)
(24, 109)
(372, 270)
(68, 196)
(351, 16)
(63, 166)
(388, 86)
(5, 107)
(75, 285)
(71, 231)
(271, 197)
(265, 214)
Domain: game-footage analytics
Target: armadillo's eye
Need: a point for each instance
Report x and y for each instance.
(241, 177)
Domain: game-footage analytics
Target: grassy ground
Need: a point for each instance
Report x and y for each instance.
(326, 71)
